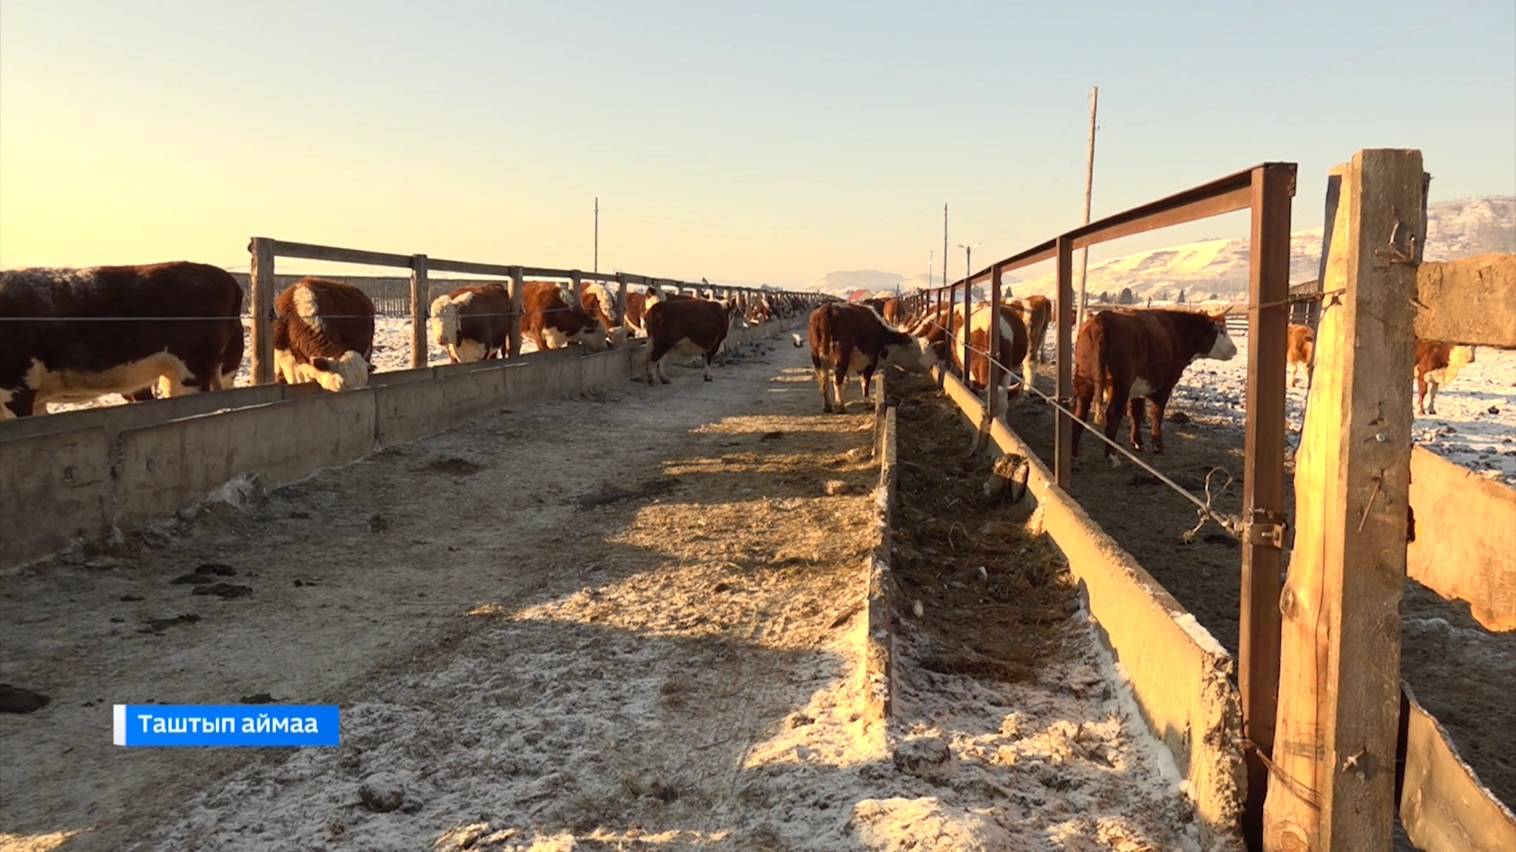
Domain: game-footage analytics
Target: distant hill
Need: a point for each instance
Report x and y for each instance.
(1455, 229)
(1461, 228)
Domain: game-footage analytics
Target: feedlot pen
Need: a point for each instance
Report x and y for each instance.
(633, 619)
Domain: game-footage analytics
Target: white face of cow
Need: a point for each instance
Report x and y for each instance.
(915, 355)
(593, 339)
(444, 322)
(1223, 349)
(336, 374)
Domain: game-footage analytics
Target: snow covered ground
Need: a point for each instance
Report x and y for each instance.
(1475, 424)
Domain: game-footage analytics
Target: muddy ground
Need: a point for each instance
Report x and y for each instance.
(631, 620)
(1463, 674)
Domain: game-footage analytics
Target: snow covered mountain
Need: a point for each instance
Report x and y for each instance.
(1461, 228)
(1455, 229)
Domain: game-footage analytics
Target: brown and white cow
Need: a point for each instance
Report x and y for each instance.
(1437, 364)
(596, 300)
(76, 334)
(1036, 312)
(552, 321)
(1300, 351)
(685, 327)
(855, 338)
(1136, 356)
(472, 323)
(323, 333)
(893, 311)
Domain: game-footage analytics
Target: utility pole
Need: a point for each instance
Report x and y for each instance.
(597, 231)
(944, 244)
(1089, 185)
(968, 263)
(931, 258)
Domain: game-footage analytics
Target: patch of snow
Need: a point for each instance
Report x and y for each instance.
(1202, 636)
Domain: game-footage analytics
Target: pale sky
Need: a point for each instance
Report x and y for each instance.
(741, 142)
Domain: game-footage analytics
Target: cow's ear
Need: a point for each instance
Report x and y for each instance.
(322, 364)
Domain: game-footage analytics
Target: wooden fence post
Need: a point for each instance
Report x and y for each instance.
(419, 291)
(576, 284)
(1339, 686)
(621, 298)
(262, 285)
(1263, 476)
(518, 286)
(992, 404)
(1063, 435)
(968, 310)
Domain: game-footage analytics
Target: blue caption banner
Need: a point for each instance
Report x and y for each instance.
(226, 725)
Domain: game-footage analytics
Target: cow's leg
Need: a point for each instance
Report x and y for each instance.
(1160, 403)
(866, 381)
(1139, 407)
(654, 359)
(1113, 414)
(1084, 397)
(844, 358)
(1028, 372)
(1432, 397)
(710, 354)
(824, 381)
(1295, 374)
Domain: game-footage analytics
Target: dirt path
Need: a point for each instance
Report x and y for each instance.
(615, 622)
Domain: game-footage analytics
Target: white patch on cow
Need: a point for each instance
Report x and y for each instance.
(1223, 349)
(654, 296)
(1140, 389)
(603, 296)
(914, 356)
(305, 307)
(158, 368)
(348, 372)
(444, 323)
(1458, 358)
(5, 405)
(1115, 462)
(467, 351)
(618, 336)
(554, 338)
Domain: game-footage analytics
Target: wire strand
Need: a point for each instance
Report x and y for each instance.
(1232, 524)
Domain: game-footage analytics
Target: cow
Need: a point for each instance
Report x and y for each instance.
(1300, 351)
(1437, 364)
(472, 323)
(548, 319)
(323, 333)
(595, 300)
(850, 337)
(893, 311)
(1138, 356)
(77, 334)
(1036, 312)
(685, 327)
(943, 332)
(759, 311)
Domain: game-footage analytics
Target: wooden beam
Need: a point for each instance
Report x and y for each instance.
(1470, 301)
(517, 288)
(997, 357)
(262, 285)
(419, 291)
(1063, 434)
(1263, 479)
(1333, 785)
(334, 254)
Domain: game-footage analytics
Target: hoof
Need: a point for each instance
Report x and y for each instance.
(665, 380)
(1158, 450)
(651, 383)
(1115, 462)
(708, 378)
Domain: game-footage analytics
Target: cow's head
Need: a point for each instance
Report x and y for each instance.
(1221, 347)
(912, 354)
(348, 372)
(587, 333)
(444, 322)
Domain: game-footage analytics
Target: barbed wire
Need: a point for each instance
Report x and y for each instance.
(1231, 524)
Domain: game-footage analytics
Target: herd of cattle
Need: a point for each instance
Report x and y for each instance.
(174, 328)
(168, 329)
(1124, 358)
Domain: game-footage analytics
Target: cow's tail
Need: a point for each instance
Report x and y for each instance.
(795, 338)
